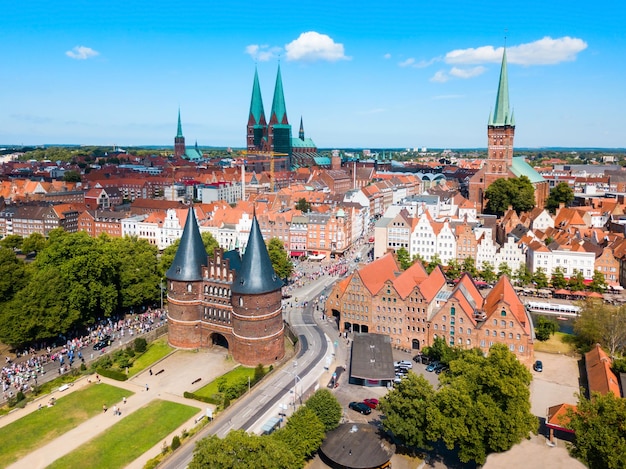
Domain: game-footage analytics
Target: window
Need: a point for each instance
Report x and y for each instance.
(503, 313)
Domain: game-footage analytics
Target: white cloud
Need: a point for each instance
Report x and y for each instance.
(440, 77)
(312, 46)
(387, 56)
(407, 63)
(263, 53)
(82, 53)
(467, 72)
(421, 64)
(545, 51)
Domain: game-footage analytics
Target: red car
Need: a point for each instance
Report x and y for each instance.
(371, 403)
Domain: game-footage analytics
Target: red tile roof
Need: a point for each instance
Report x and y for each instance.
(600, 377)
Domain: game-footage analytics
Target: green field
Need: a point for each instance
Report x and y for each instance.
(558, 343)
(156, 350)
(239, 373)
(129, 438)
(41, 427)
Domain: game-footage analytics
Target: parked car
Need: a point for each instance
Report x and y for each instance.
(432, 366)
(421, 359)
(538, 366)
(403, 363)
(360, 407)
(100, 345)
(371, 403)
(441, 368)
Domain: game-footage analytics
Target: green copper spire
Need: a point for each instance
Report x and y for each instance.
(502, 112)
(301, 132)
(279, 111)
(179, 133)
(256, 104)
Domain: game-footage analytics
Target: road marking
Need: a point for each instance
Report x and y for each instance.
(248, 410)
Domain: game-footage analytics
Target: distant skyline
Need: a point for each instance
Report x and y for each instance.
(395, 74)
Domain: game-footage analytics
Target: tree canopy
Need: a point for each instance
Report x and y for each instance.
(516, 192)
(168, 254)
(404, 258)
(600, 323)
(303, 205)
(280, 260)
(303, 433)
(562, 193)
(325, 405)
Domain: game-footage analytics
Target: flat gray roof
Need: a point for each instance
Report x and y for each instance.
(372, 357)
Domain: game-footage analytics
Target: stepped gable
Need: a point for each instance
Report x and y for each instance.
(256, 274)
(191, 255)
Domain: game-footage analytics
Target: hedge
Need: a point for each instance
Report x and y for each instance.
(116, 375)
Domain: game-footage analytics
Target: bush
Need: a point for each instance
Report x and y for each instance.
(140, 345)
(83, 367)
(259, 372)
(130, 352)
(113, 374)
(102, 363)
(175, 443)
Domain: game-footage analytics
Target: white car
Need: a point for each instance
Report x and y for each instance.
(403, 364)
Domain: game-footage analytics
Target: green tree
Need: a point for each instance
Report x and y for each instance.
(168, 254)
(600, 433)
(303, 205)
(280, 260)
(435, 260)
(469, 266)
(12, 242)
(404, 259)
(540, 279)
(454, 269)
(561, 193)
(558, 279)
(602, 323)
(406, 410)
(518, 193)
(239, 449)
(326, 407)
(36, 242)
(13, 274)
(71, 176)
(545, 328)
(577, 281)
(504, 269)
(488, 274)
(303, 433)
(598, 282)
(523, 275)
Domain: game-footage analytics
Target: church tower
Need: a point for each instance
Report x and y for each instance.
(257, 319)
(279, 130)
(256, 135)
(184, 287)
(179, 140)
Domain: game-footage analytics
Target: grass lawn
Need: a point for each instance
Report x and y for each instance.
(156, 350)
(241, 372)
(40, 427)
(558, 343)
(129, 438)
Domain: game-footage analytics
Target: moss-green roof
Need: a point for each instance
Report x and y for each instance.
(279, 110)
(521, 168)
(299, 143)
(502, 113)
(256, 103)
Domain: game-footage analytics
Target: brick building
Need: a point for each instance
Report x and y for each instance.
(225, 299)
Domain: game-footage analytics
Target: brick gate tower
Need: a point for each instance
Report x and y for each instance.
(225, 299)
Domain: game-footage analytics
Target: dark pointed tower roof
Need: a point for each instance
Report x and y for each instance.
(256, 103)
(301, 132)
(179, 132)
(191, 255)
(502, 113)
(279, 110)
(256, 274)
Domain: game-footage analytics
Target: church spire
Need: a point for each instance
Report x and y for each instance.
(257, 113)
(179, 133)
(279, 111)
(301, 132)
(502, 112)
(191, 254)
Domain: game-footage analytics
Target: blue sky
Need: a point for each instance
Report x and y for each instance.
(361, 74)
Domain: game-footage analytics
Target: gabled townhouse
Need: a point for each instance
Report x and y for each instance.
(298, 230)
(608, 265)
(424, 238)
(511, 253)
(486, 250)
(466, 242)
(571, 256)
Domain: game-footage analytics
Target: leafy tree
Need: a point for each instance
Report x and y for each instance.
(36, 242)
(603, 324)
(540, 279)
(561, 193)
(545, 328)
(403, 258)
(13, 274)
(303, 205)
(435, 260)
(441, 351)
(516, 192)
(504, 269)
(239, 449)
(12, 242)
(488, 274)
(523, 275)
(303, 433)
(454, 269)
(558, 279)
(71, 176)
(326, 407)
(469, 266)
(280, 260)
(577, 281)
(406, 410)
(598, 282)
(600, 434)
(168, 254)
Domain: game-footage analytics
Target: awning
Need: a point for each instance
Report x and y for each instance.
(297, 253)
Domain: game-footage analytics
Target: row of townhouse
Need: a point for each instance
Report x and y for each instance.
(415, 308)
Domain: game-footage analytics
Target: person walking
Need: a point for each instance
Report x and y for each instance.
(124, 399)
(147, 387)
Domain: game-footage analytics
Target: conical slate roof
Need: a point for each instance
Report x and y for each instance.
(191, 255)
(279, 110)
(502, 112)
(256, 103)
(256, 274)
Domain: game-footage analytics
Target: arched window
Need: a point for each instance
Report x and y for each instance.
(189, 287)
(240, 301)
